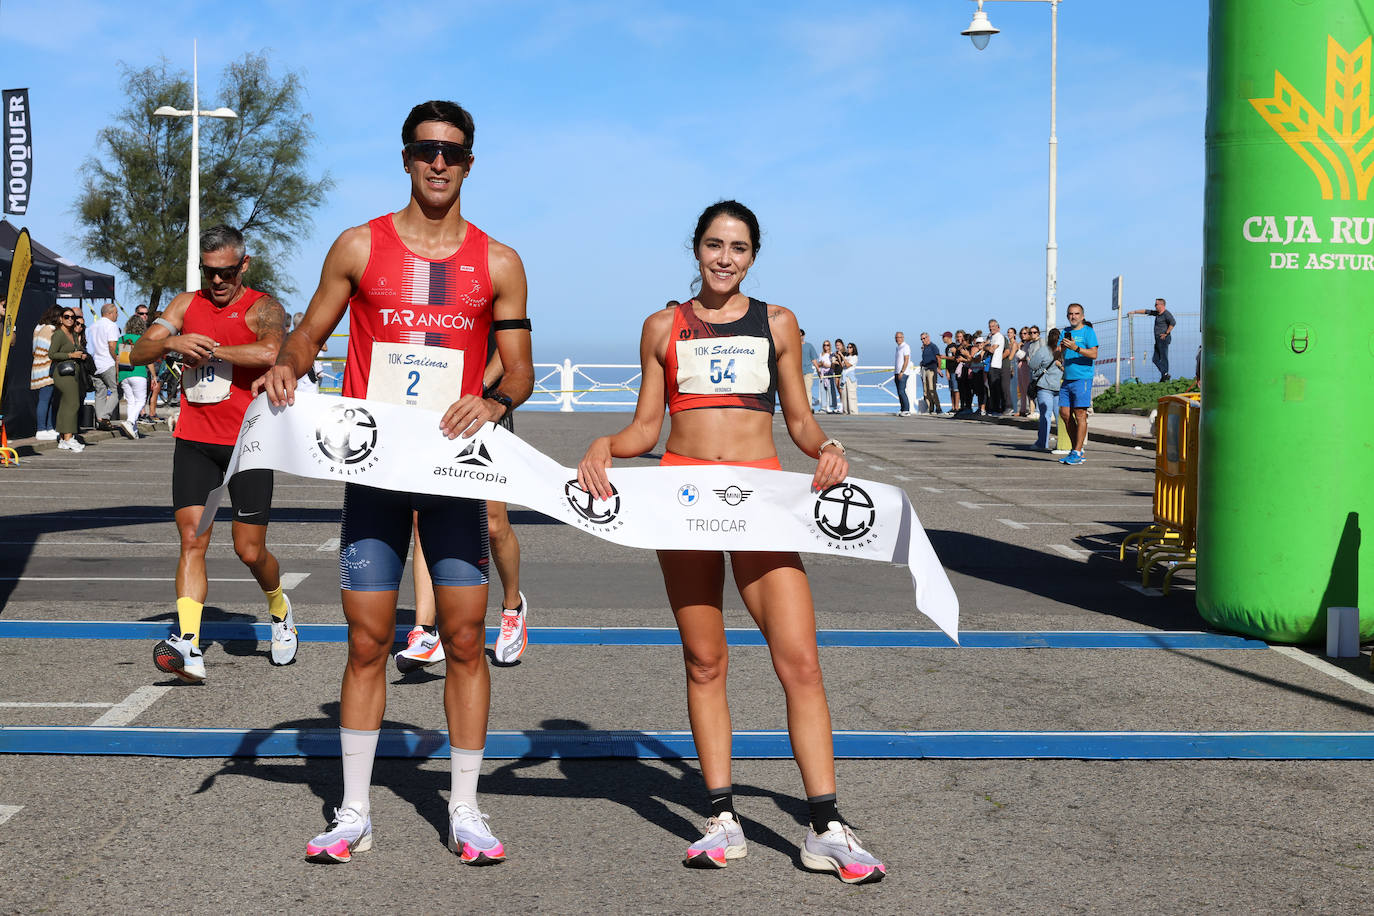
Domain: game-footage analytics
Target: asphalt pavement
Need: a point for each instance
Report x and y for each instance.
(1077, 754)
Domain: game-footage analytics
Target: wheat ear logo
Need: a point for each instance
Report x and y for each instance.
(1337, 142)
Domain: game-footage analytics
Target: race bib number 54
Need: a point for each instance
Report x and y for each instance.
(417, 376)
(723, 365)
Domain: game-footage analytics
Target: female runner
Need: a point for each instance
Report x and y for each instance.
(709, 426)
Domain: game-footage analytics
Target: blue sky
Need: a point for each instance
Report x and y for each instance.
(900, 175)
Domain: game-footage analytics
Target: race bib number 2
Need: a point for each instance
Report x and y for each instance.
(723, 365)
(416, 376)
(209, 382)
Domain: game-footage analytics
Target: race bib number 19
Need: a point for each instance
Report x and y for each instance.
(209, 382)
(416, 376)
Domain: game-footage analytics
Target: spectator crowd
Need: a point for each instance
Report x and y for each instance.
(71, 361)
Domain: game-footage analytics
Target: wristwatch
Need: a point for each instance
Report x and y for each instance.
(502, 399)
(832, 441)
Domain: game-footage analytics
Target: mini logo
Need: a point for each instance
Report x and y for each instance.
(1333, 139)
(733, 495)
(845, 512)
(589, 507)
(346, 435)
(688, 495)
(249, 423)
(475, 453)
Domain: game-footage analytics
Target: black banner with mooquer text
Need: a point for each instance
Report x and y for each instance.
(18, 174)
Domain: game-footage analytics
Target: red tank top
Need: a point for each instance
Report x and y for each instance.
(733, 364)
(403, 298)
(219, 423)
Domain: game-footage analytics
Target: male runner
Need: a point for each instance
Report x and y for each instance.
(225, 335)
(426, 283)
(423, 646)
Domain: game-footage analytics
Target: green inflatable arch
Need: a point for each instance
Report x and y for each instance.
(1286, 479)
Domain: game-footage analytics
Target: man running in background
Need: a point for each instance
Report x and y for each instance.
(225, 335)
(426, 285)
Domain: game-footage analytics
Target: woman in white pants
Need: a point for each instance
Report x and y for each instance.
(850, 381)
(133, 380)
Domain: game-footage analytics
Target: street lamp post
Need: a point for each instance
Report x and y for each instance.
(980, 30)
(195, 114)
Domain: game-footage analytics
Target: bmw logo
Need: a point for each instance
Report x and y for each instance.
(688, 495)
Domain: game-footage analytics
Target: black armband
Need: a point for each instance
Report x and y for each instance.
(511, 324)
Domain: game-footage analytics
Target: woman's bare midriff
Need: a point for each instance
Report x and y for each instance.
(722, 434)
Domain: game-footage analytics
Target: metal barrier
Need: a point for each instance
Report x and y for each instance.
(1173, 536)
(571, 386)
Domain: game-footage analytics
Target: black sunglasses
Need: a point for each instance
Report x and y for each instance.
(428, 150)
(68, 317)
(227, 274)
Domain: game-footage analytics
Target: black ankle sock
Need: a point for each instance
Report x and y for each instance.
(722, 800)
(431, 630)
(823, 811)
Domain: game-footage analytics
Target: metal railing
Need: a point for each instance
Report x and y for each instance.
(569, 386)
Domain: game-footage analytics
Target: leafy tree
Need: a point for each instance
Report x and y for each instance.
(135, 204)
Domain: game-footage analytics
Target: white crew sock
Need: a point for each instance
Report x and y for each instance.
(466, 765)
(359, 750)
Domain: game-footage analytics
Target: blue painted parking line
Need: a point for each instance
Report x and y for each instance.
(662, 636)
(667, 745)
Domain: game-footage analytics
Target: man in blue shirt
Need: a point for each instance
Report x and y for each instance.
(808, 358)
(1079, 347)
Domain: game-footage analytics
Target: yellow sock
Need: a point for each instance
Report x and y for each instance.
(276, 604)
(188, 618)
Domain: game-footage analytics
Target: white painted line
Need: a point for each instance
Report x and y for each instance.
(1073, 553)
(56, 705)
(1325, 667)
(877, 467)
(1136, 505)
(130, 578)
(900, 477)
(41, 541)
(9, 811)
(932, 490)
(329, 545)
(1011, 524)
(982, 505)
(291, 580)
(128, 709)
(1135, 586)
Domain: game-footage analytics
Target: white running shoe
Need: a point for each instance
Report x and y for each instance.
(350, 832)
(284, 641)
(423, 649)
(72, 445)
(469, 836)
(178, 655)
(723, 839)
(129, 428)
(838, 850)
(45, 435)
(511, 642)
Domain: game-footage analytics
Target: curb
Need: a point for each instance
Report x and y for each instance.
(1109, 438)
(29, 446)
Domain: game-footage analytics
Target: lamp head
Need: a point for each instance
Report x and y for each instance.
(166, 111)
(980, 29)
